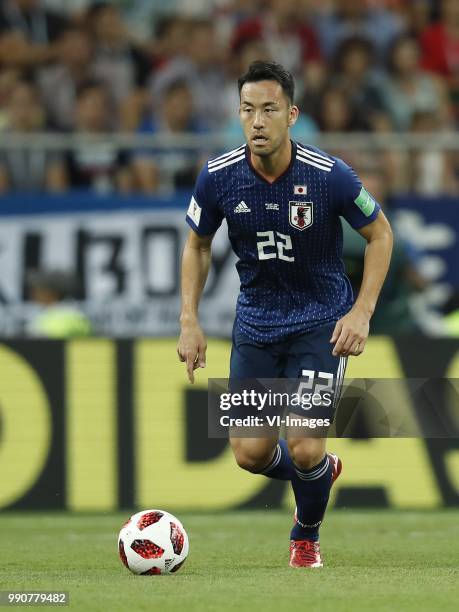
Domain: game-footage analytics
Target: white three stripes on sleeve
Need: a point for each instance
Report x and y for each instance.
(223, 158)
(227, 163)
(314, 159)
(320, 158)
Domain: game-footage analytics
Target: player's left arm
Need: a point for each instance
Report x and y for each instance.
(351, 200)
(351, 331)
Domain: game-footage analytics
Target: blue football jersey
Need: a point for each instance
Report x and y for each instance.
(287, 236)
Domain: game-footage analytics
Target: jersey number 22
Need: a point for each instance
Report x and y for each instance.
(280, 242)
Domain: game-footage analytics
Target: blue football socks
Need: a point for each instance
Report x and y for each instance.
(281, 466)
(311, 489)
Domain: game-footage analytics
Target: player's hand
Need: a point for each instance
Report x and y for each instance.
(191, 348)
(350, 334)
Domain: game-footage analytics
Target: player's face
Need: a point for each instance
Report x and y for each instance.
(266, 116)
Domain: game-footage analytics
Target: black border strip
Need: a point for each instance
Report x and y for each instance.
(125, 433)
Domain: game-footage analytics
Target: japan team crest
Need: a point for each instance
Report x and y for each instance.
(300, 214)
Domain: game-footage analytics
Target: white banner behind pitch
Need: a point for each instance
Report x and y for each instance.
(128, 264)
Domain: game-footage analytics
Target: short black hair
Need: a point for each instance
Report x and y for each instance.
(269, 71)
(60, 282)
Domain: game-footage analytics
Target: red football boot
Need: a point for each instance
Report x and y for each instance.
(337, 466)
(306, 553)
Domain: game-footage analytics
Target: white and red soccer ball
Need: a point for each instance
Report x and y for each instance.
(153, 542)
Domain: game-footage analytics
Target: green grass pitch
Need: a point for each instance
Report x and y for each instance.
(375, 560)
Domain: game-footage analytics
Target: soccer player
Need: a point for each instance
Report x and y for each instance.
(282, 202)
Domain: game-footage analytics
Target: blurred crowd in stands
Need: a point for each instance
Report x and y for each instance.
(168, 68)
(153, 67)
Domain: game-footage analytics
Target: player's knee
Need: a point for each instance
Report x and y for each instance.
(249, 461)
(304, 455)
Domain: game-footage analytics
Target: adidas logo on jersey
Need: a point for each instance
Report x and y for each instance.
(242, 208)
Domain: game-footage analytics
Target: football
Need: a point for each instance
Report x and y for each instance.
(153, 542)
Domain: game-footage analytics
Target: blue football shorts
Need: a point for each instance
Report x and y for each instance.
(306, 357)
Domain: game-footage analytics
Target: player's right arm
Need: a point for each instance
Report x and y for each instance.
(204, 217)
(195, 268)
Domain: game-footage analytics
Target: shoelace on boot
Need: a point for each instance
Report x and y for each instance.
(306, 550)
